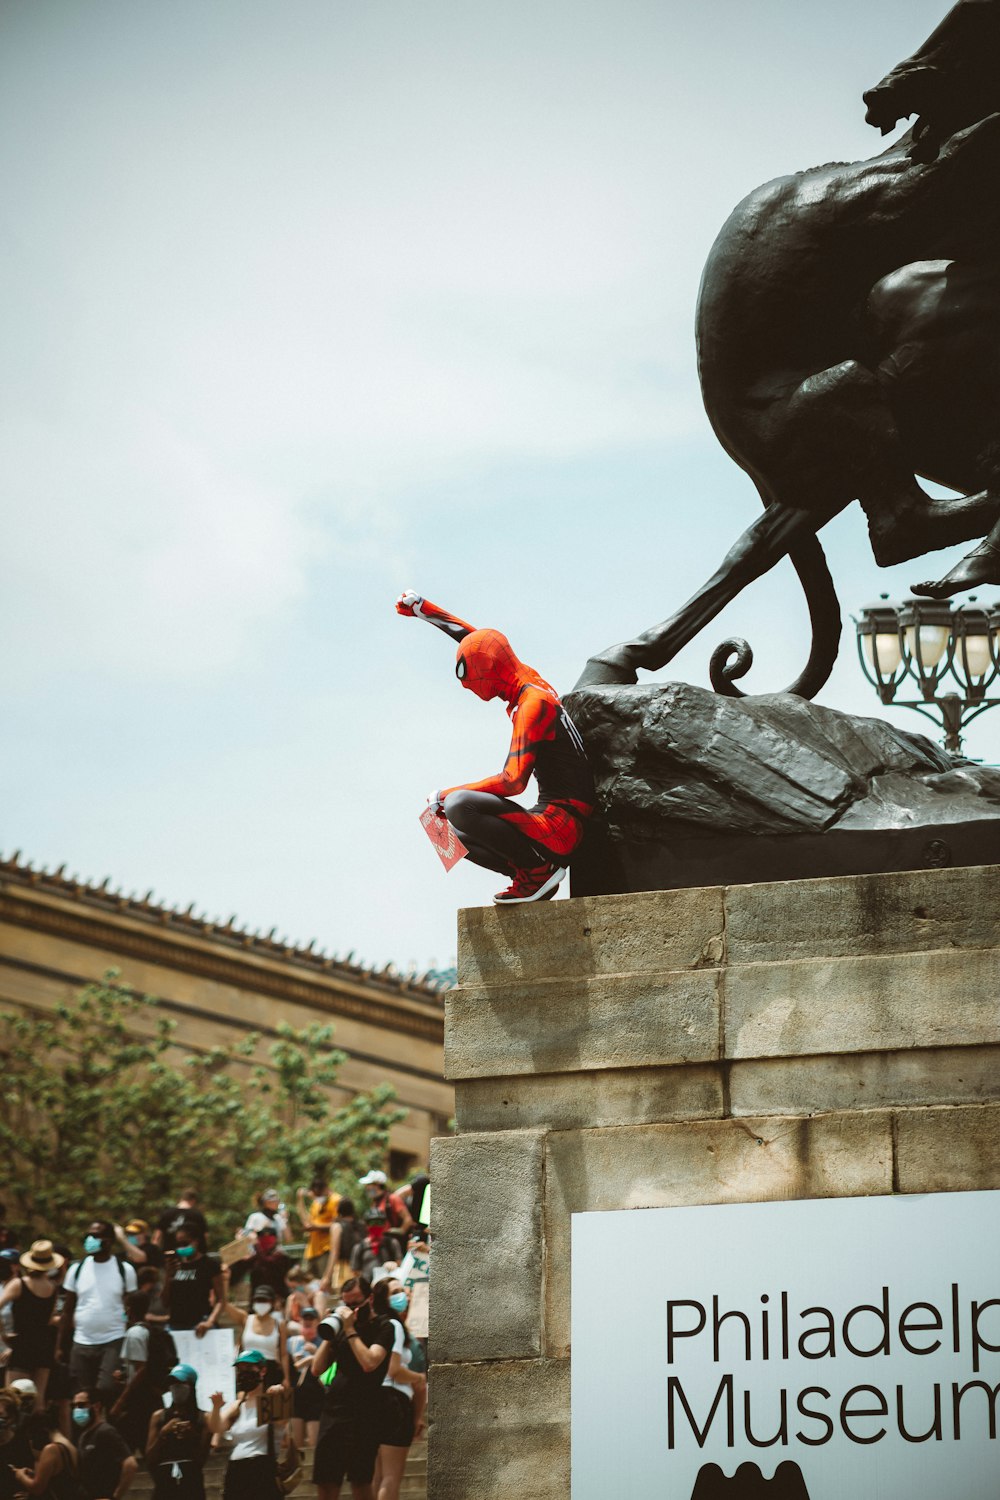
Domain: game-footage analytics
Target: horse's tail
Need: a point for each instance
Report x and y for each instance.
(734, 657)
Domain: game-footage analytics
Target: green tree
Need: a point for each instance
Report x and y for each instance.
(99, 1114)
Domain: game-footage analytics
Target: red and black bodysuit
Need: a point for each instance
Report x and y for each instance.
(499, 833)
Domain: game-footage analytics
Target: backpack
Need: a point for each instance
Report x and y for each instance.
(160, 1359)
(76, 1264)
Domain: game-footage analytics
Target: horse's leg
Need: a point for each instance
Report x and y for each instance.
(933, 328)
(762, 545)
(824, 440)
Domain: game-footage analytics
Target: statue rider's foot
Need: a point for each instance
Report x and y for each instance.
(982, 565)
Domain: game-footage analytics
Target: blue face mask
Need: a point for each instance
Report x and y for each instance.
(93, 1245)
(133, 1239)
(185, 1251)
(399, 1302)
(81, 1416)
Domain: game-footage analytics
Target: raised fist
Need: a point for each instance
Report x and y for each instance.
(406, 602)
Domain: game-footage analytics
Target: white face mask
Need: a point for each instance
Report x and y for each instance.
(262, 1309)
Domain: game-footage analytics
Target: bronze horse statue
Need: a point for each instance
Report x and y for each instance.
(848, 332)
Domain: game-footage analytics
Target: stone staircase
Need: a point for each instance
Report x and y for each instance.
(414, 1486)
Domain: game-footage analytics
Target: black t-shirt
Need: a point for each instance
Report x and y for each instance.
(102, 1452)
(179, 1217)
(154, 1255)
(270, 1271)
(353, 1392)
(189, 1291)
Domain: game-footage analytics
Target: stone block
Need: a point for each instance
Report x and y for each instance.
(635, 934)
(576, 1024)
(487, 1244)
(500, 1430)
(725, 1161)
(948, 1150)
(866, 1080)
(941, 998)
(854, 915)
(577, 1101)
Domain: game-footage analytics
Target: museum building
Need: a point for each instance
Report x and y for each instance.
(218, 982)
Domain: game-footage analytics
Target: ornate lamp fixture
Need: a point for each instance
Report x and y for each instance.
(932, 646)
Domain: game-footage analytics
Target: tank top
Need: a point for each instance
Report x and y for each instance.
(267, 1343)
(32, 1313)
(249, 1440)
(65, 1485)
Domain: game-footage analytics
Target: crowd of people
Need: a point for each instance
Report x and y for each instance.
(109, 1355)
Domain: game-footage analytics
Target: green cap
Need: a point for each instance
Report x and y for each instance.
(250, 1357)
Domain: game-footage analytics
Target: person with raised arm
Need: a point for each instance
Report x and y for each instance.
(531, 845)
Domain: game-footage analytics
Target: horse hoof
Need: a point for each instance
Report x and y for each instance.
(610, 669)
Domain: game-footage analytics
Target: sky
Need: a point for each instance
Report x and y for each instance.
(307, 304)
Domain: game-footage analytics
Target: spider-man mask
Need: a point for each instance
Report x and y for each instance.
(487, 666)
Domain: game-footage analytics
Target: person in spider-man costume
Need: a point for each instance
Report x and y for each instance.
(532, 845)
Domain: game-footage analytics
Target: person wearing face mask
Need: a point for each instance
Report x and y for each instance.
(388, 1221)
(403, 1395)
(178, 1440)
(267, 1266)
(270, 1214)
(359, 1341)
(54, 1470)
(33, 1295)
(251, 1473)
(107, 1468)
(260, 1329)
(532, 845)
(192, 1292)
(136, 1243)
(302, 1348)
(93, 1323)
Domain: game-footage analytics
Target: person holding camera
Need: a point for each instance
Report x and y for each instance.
(252, 1470)
(360, 1342)
(178, 1440)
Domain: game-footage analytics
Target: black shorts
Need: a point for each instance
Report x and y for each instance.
(396, 1422)
(308, 1399)
(250, 1479)
(346, 1450)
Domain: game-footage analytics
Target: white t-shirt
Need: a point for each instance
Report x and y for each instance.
(399, 1347)
(135, 1349)
(100, 1287)
(261, 1223)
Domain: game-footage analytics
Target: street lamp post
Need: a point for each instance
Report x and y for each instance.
(933, 646)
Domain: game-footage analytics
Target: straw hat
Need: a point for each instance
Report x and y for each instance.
(42, 1257)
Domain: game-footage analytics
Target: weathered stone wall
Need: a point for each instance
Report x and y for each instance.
(810, 1039)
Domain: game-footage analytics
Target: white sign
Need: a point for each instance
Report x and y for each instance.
(212, 1356)
(843, 1347)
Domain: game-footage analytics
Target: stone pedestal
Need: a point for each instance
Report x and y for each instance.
(803, 1039)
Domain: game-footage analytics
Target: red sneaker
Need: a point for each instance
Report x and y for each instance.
(538, 884)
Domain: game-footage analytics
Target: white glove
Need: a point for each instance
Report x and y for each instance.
(408, 601)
